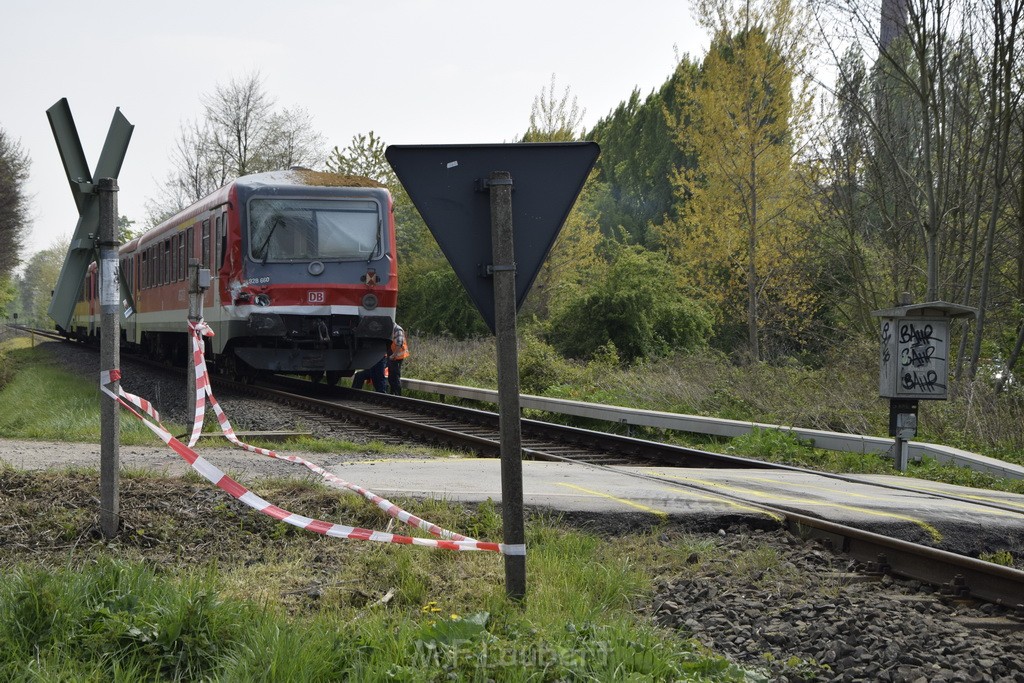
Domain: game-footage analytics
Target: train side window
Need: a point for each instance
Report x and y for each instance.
(206, 244)
(167, 261)
(190, 245)
(174, 258)
(181, 257)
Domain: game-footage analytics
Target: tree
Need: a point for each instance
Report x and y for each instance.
(742, 238)
(639, 156)
(852, 281)
(364, 156)
(945, 96)
(39, 280)
(554, 119)
(239, 133)
(573, 257)
(14, 219)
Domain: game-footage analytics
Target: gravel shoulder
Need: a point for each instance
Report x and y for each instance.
(42, 455)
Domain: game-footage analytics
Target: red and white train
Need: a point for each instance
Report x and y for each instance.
(304, 277)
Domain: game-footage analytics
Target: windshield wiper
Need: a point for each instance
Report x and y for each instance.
(265, 247)
(376, 245)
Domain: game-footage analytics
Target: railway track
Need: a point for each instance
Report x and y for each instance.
(478, 431)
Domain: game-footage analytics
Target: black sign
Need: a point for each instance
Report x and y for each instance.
(900, 406)
(448, 185)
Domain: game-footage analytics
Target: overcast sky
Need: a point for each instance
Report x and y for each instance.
(414, 72)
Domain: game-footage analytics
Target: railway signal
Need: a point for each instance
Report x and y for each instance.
(83, 243)
(914, 362)
(461, 189)
(96, 229)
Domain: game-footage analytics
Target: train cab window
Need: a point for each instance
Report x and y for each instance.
(206, 244)
(308, 229)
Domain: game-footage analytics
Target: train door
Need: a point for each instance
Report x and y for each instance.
(221, 234)
(207, 262)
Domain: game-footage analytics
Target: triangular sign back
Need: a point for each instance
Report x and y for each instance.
(446, 184)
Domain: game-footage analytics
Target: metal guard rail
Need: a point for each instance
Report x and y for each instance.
(832, 441)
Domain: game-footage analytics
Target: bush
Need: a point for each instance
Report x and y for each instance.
(433, 301)
(637, 307)
(541, 367)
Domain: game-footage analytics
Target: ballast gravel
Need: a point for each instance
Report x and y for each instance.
(805, 614)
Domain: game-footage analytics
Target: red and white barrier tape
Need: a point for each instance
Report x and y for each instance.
(453, 541)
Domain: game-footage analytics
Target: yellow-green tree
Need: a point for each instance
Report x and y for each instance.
(573, 261)
(740, 239)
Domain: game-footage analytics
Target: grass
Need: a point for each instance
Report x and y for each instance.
(247, 598)
(42, 401)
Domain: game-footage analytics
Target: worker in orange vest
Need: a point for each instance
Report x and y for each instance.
(398, 351)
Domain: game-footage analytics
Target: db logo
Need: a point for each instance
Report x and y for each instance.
(317, 297)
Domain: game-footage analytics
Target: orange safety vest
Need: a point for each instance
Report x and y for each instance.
(399, 351)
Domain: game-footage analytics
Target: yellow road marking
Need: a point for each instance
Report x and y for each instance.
(851, 494)
(624, 501)
(732, 503)
(406, 461)
(988, 499)
(932, 531)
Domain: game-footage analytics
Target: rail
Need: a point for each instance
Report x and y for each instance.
(714, 426)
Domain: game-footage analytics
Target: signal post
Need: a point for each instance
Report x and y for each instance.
(110, 356)
(96, 232)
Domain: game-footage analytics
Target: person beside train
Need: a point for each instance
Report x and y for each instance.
(398, 351)
(374, 375)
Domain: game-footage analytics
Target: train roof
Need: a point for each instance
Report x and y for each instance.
(305, 176)
(296, 177)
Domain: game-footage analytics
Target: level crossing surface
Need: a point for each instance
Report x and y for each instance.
(938, 514)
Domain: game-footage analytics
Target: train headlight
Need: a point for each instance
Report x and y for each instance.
(370, 301)
(262, 300)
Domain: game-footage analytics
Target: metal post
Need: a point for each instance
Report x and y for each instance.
(901, 453)
(195, 314)
(110, 343)
(504, 272)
